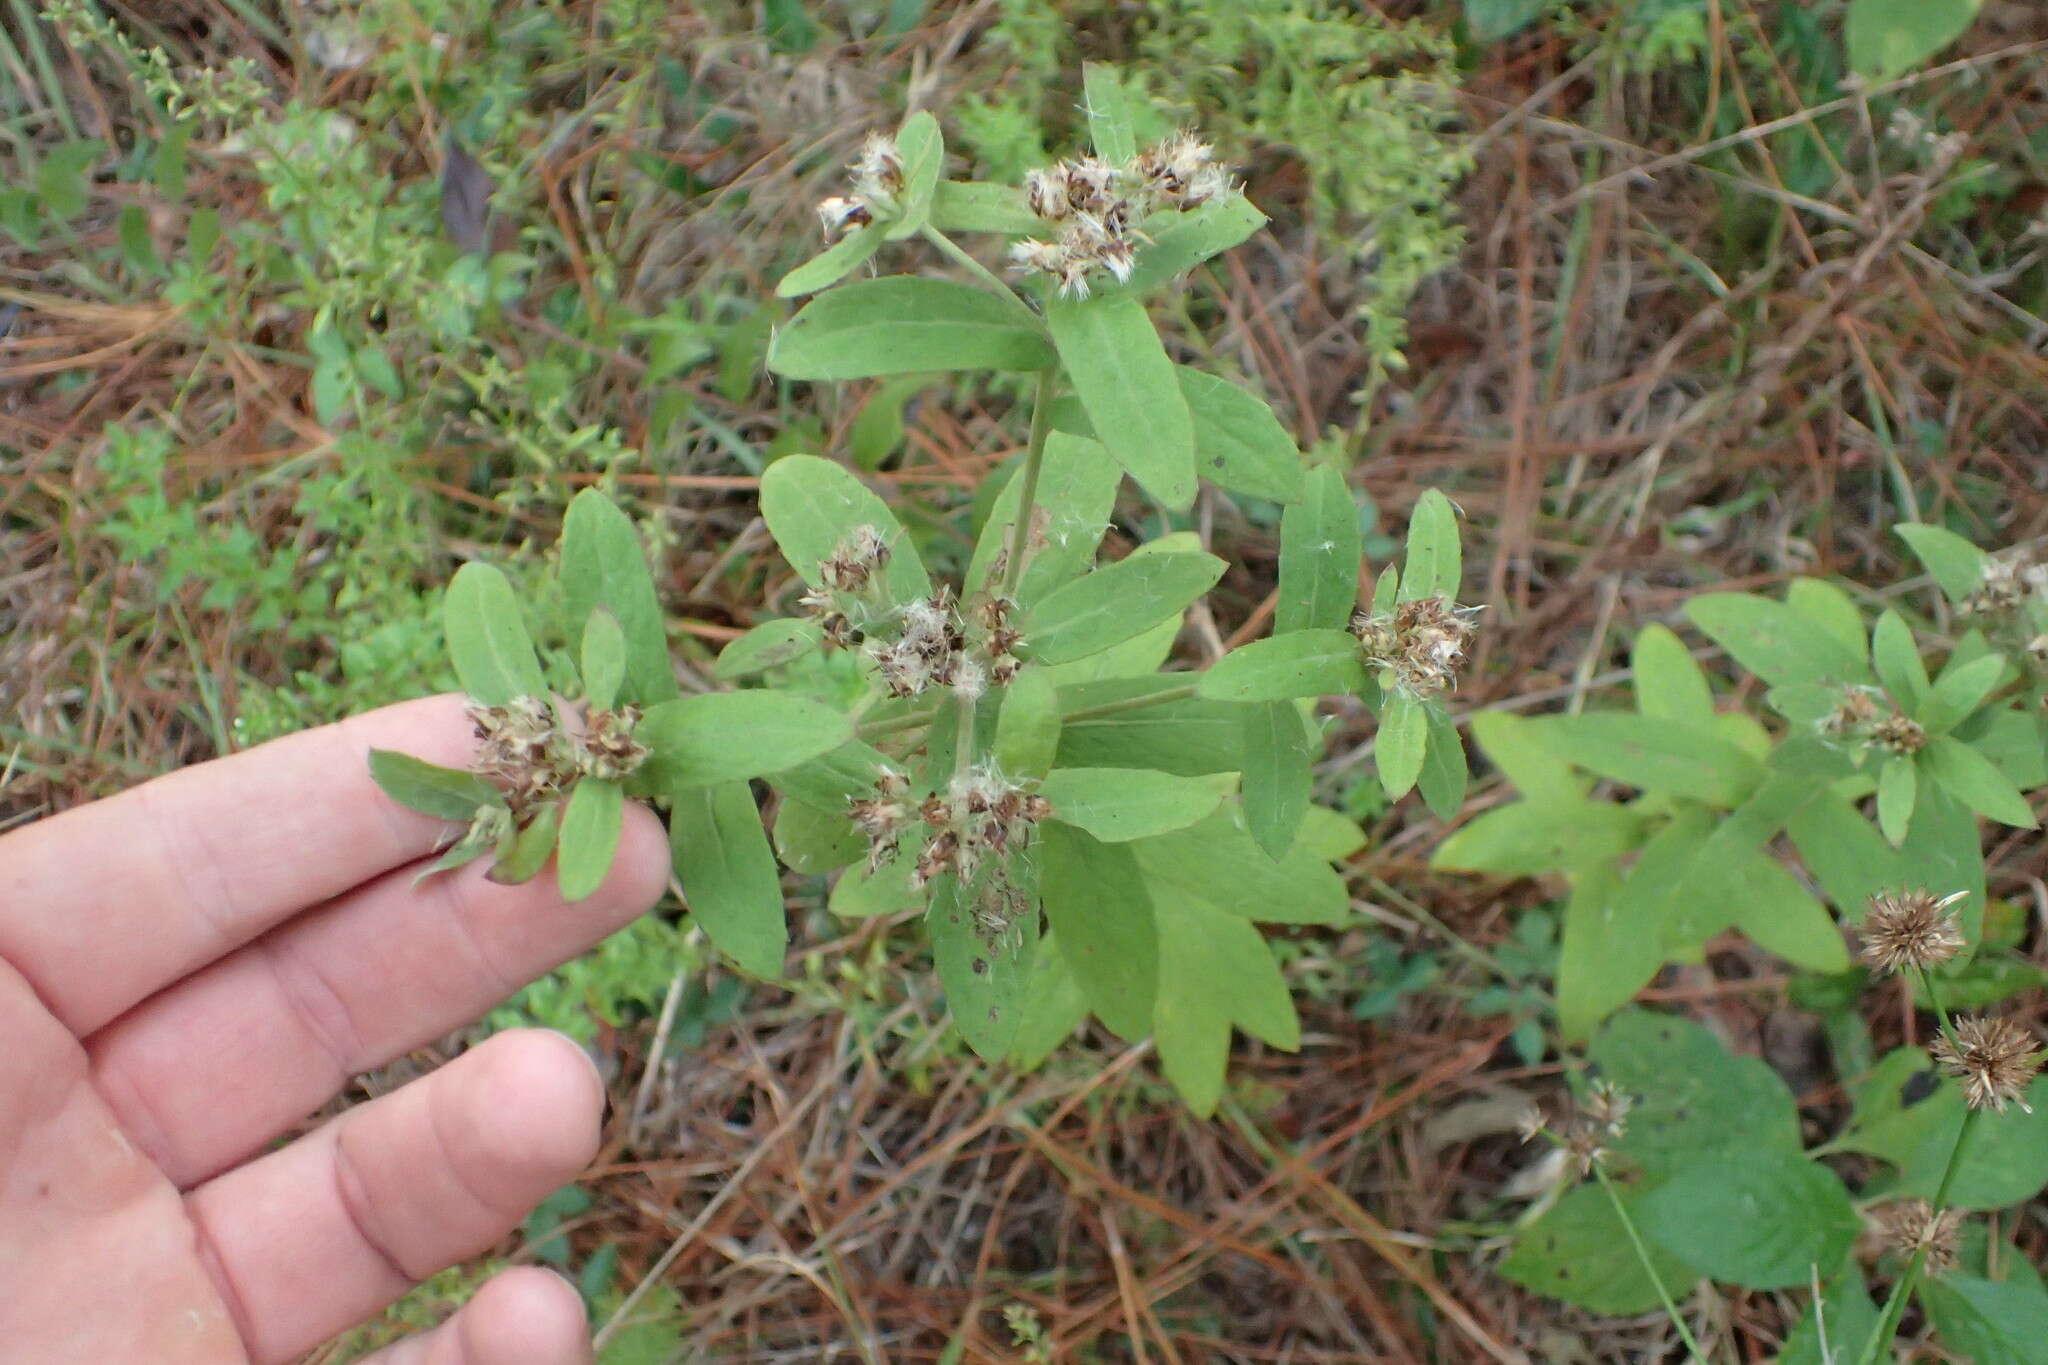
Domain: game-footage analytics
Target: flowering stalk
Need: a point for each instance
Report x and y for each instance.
(1895, 1303)
(1635, 1240)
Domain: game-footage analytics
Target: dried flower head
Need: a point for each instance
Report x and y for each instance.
(1180, 173)
(1607, 1106)
(1854, 713)
(1995, 1058)
(1899, 733)
(606, 749)
(853, 564)
(520, 751)
(839, 215)
(878, 168)
(1914, 1225)
(1911, 930)
(1420, 642)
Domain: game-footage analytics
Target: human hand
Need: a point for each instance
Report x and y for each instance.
(190, 968)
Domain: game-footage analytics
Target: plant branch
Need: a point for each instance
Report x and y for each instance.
(987, 278)
(1027, 493)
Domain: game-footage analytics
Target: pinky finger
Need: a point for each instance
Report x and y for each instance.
(526, 1316)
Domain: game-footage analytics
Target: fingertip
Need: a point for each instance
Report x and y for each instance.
(524, 1315)
(639, 873)
(536, 1108)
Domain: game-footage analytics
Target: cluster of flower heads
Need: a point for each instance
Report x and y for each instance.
(877, 185)
(1584, 1132)
(1420, 643)
(1994, 1058)
(524, 751)
(1097, 208)
(1864, 716)
(980, 818)
(2011, 582)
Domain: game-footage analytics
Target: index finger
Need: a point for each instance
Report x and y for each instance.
(104, 905)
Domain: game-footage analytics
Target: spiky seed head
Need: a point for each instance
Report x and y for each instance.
(1908, 930)
(1912, 1225)
(1994, 1058)
(607, 748)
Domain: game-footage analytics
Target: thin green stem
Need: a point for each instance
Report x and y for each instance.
(1895, 1302)
(910, 720)
(989, 280)
(1635, 1240)
(1027, 492)
(1934, 998)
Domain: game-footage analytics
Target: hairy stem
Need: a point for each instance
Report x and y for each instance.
(1635, 1239)
(987, 278)
(1027, 492)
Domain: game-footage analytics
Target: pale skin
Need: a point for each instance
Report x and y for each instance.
(188, 970)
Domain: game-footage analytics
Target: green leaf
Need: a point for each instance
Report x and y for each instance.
(1828, 607)
(768, 645)
(1780, 916)
(1886, 38)
(833, 777)
(531, 848)
(1320, 547)
(1239, 443)
(62, 179)
(487, 640)
(1492, 20)
(1834, 1327)
(1443, 776)
(604, 659)
(1305, 663)
(1605, 955)
(983, 967)
(730, 736)
(967, 206)
(815, 840)
(1189, 737)
(1956, 564)
(1119, 804)
(1528, 838)
(604, 565)
(878, 431)
(1182, 242)
(1694, 1098)
(1214, 971)
(444, 793)
(1109, 113)
(1096, 901)
(1432, 567)
(1907, 1115)
(730, 882)
(1217, 863)
(461, 853)
(834, 263)
(1113, 357)
(1278, 756)
(1897, 656)
(334, 384)
(1773, 641)
(1522, 748)
(589, 837)
(1580, 1252)
(1077, 484)
(1762, 1220)
(1668, 684)
(905, 324)
(923, 151)
(1028, 727)
(812, 506)
(1897, 785)
(1402, 741)
(861, 894)
(1987, 1322)
(1116, 602)
(788, 26)
(1658, 755)
(1975, 781)
(1959, 691)
(1053, 1007)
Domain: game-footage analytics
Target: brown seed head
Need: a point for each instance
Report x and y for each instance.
(607, 748)
(1911, 929)
(1913, 1225)
(1421, 642)
(1994, 1058)
(1899, 733)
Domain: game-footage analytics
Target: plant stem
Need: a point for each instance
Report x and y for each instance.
(1027, 494)
(910, 720)
(1895, 1302)
(1635, 1240)
(989, 280)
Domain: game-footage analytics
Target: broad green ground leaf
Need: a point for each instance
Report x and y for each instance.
(834, 263)
(730, 736)
(923, 151)
(1604, 958)
(1433, 566)
(1580, 1252)
(1694, 1098)
(1182, 242)
(1897, 786)
(1527, 838)
(1443, 776)
(861, 894)
(1320, 547)
(1115, 361)
(1828, 607)
(1077, 485)
(487, 640)
(531, 849)
(1834, 1326)
(1975, 781)
(905, 324)
(589, 837)
(1096, 901)
(1956, 564)
(768, 645)
(1116, 602)
(604, 565)
(1110, 126)
(1988, 1322)
(444, 793)
(1886, 38)
(1523, 748)
(969, 206)
(1304, 663)
(603, 663)
(1773, 641)
(1762, 1220)
(1219, 864)
(1215, 970)
(1401, 744)
(1279, 753)
(1028, 727)
(728, 872)
(1960, 690)
(1668, 683)
(1239, 443)
(812, 506)
(1119, 804)
(1907, 1115)
(877, 432)
(1779, 915)
(1189, 737)
(815, 840)
(1051, 1009)
(1899, 667)
(984, 970)
(1658, 755)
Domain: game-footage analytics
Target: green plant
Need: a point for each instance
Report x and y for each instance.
(1080, 831)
